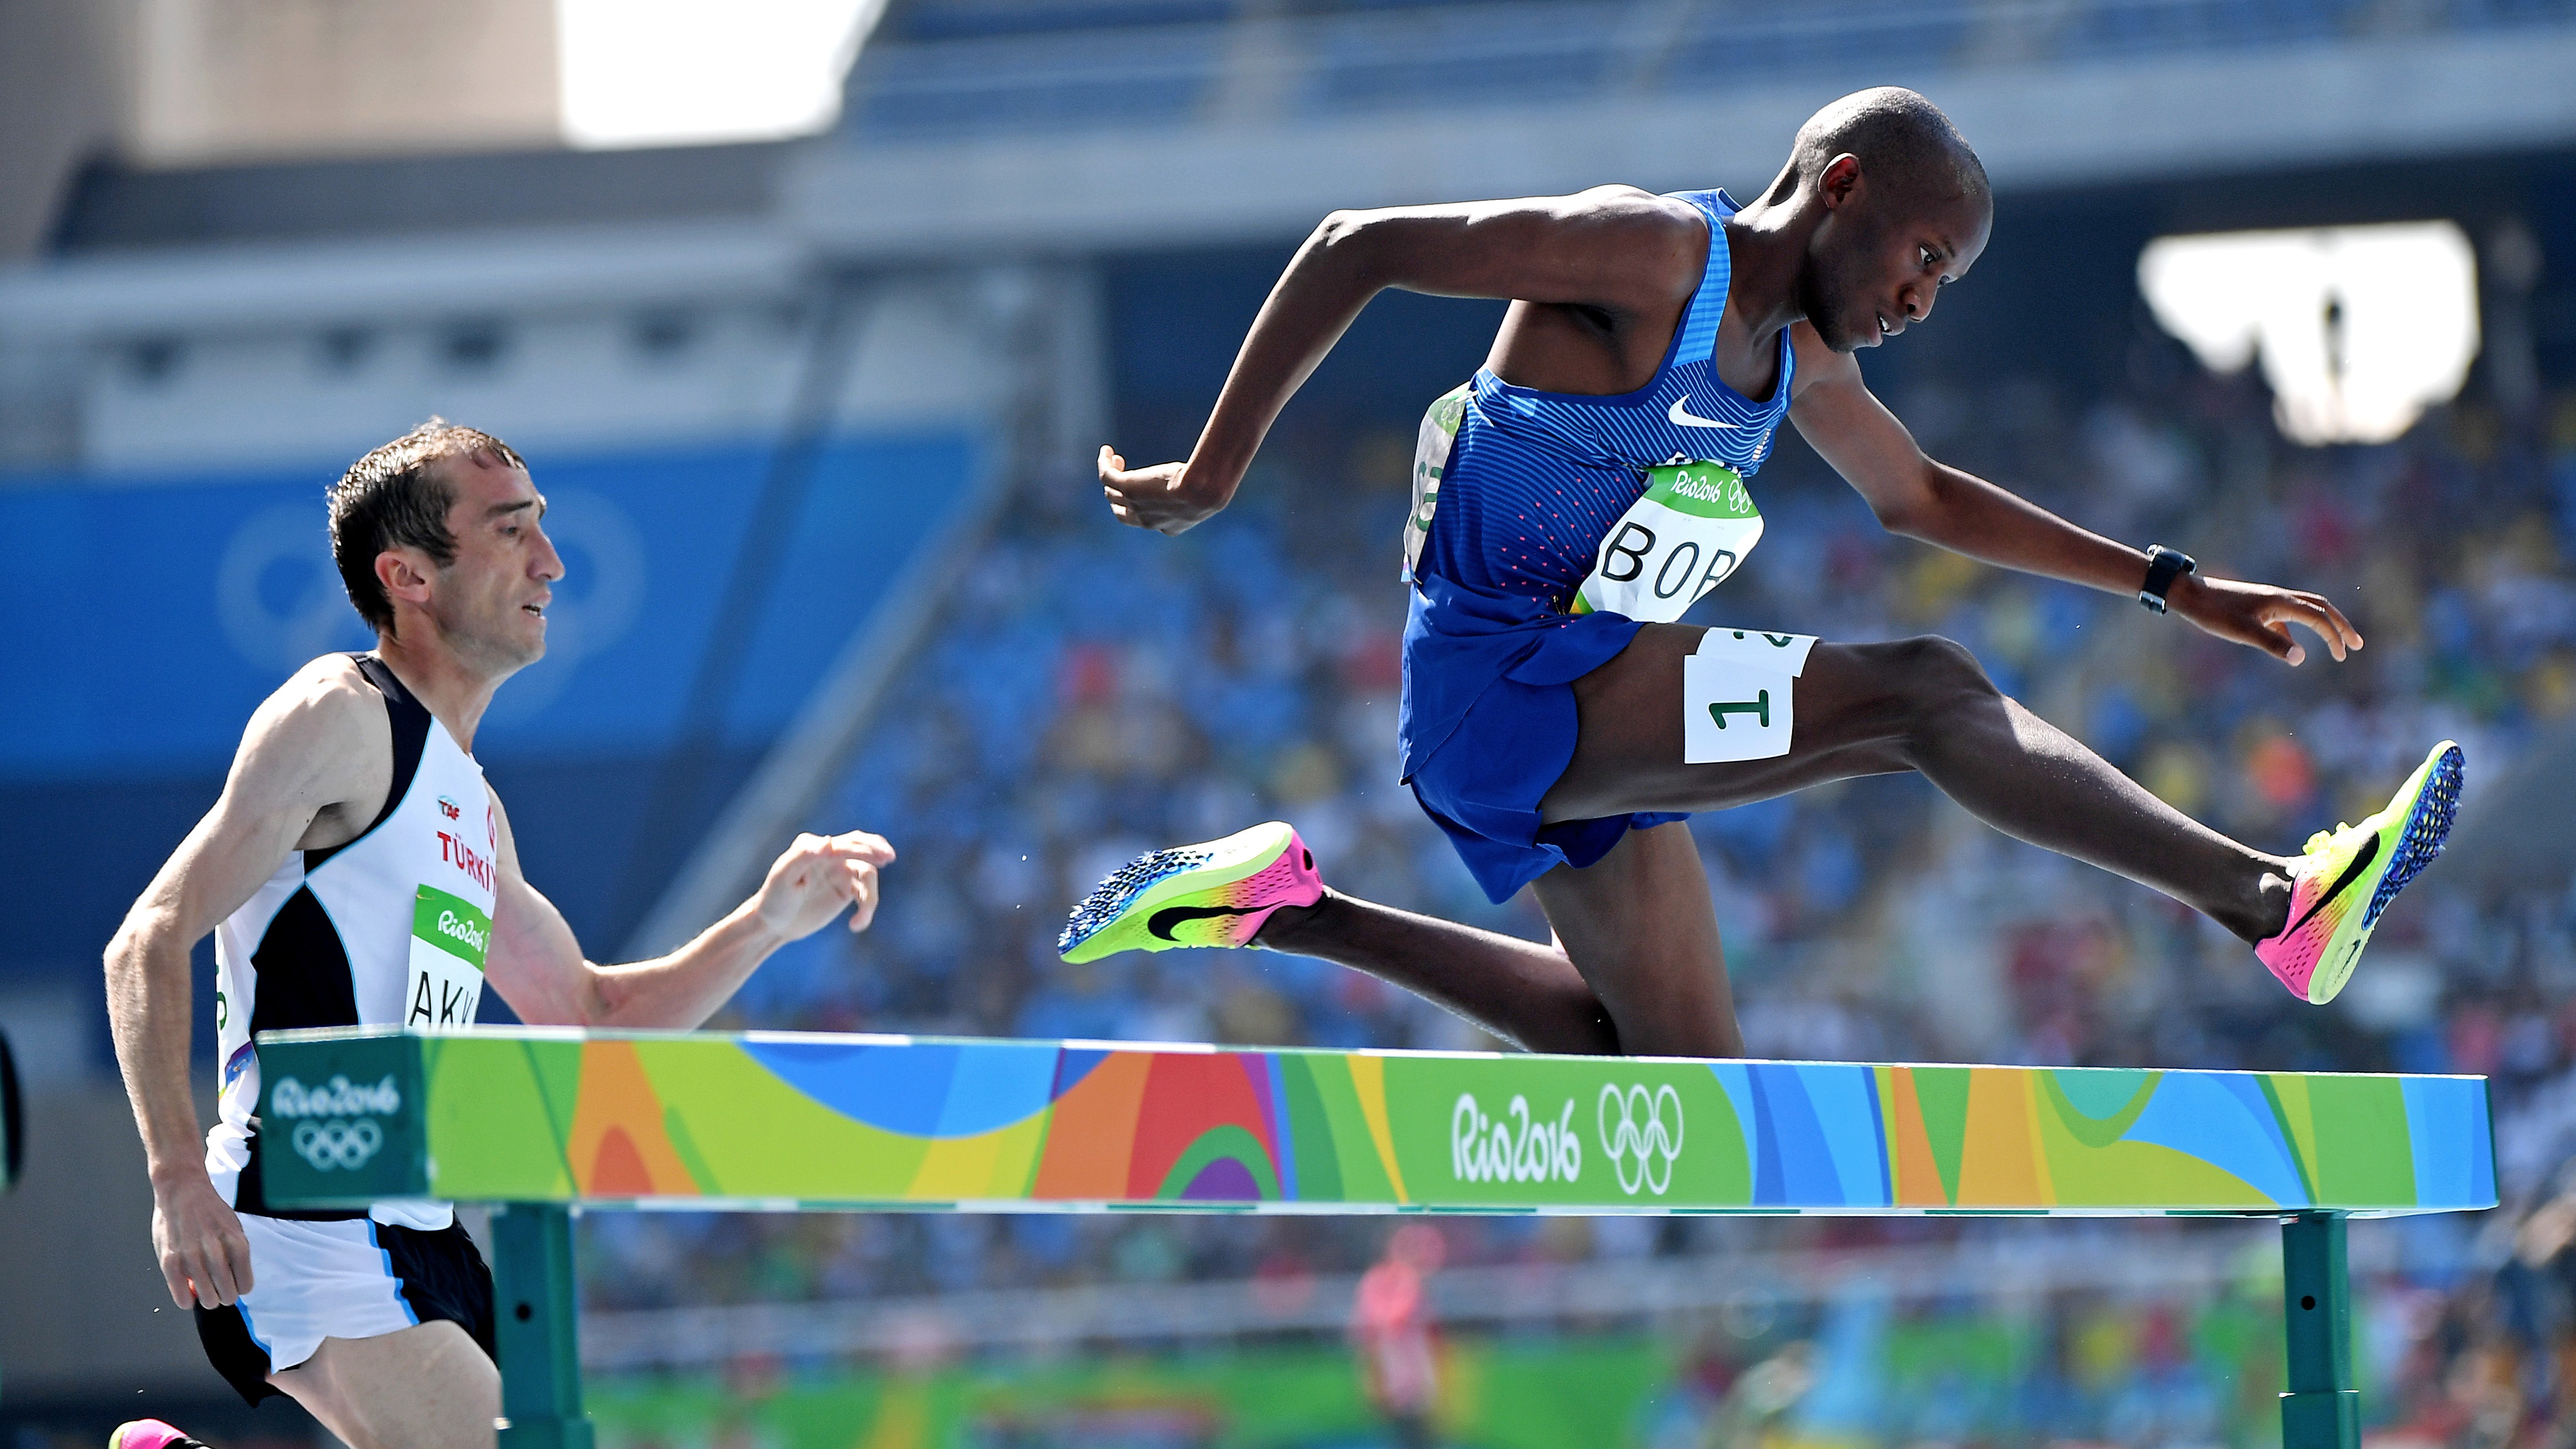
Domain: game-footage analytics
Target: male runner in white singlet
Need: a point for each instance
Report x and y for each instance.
(358, 871)
(1585, 488)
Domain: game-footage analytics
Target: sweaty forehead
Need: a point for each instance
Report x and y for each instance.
(1973, 228)
(1960, 224)
(484, 478)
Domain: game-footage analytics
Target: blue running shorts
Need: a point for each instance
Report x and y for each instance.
(1488, 725)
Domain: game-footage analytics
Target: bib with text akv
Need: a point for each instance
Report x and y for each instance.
(449, 938)
(1690, 530)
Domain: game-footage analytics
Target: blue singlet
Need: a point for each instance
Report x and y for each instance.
(1533, 483)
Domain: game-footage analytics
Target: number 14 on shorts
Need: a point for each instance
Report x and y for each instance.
(1739, 695)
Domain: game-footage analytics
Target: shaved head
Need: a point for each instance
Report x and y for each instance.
(1901, 140)
(1897, 207)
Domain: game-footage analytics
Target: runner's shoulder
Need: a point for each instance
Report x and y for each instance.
(1647, 212)
(1660, 241)
(325, 709)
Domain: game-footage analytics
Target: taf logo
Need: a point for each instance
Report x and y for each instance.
(450, 808)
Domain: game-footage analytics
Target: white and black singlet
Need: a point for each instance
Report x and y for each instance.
(390, 929)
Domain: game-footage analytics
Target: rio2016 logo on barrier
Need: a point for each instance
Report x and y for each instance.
(1513, 1149)
(1645, 1140)
(326, 1137)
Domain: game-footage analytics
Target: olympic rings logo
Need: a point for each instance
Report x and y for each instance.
(1643, 1146)
(337, 1144)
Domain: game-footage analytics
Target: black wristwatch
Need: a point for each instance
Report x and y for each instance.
(2163, 567)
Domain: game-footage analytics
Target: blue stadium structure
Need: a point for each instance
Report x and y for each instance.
(816, 418)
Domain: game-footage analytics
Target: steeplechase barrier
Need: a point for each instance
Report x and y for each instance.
(537, 1121)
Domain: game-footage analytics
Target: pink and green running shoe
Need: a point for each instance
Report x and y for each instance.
(2349, 874)
(1216, 894)
(150, 1434)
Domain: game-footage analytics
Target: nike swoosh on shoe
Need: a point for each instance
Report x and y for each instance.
(1682, 416)
(1161, 923)
(2360, 862)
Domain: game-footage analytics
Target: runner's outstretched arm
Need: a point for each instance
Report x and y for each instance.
(537, 965)
(1623, 253)
(1920, 498)
(316, 746)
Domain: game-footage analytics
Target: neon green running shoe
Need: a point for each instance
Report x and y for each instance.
(1216, 894)
(2349, 874)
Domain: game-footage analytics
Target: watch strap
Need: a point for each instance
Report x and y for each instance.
(2164, 565)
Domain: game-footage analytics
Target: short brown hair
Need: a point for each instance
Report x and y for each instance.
(394, 498)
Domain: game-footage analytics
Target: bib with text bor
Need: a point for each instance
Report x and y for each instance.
(1690, 530)
(449, 939)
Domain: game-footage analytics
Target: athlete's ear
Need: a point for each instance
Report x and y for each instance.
(1840, 181)
(404, 575)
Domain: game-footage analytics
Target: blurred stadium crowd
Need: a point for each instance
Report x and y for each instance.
(1098, 691)
(1041, 210)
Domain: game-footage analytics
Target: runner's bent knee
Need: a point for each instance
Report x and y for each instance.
(1933, 677)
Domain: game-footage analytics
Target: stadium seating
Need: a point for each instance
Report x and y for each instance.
(962, 67)
(1101, 690)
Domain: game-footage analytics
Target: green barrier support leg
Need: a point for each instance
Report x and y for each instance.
(536, 1328)
(2322, 1409)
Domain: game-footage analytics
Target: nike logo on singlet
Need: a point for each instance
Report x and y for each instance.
(2350, 874)
(1160, 924)
(1683, 417)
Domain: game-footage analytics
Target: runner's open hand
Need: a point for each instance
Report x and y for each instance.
(1166, 498)
(2261, 615)
(205, 1256)
(817, 876)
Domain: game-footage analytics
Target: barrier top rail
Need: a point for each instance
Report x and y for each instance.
(788, 1122)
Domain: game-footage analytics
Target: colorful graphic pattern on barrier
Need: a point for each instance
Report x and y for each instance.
(773, 1119)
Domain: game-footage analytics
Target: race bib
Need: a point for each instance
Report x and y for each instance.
(449, 939)
(1430, 459)
(1739, 695)
(1690, 530)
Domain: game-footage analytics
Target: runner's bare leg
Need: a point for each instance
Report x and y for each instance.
(424, 1387)
(1524, 992)
(1638, 923)
(1916, 704)
(1639, 926)
(1920, 704)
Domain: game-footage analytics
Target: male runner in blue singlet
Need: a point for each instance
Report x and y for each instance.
(1585, 489)
(358, 871)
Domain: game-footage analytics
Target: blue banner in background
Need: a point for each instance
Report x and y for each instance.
(145, 621)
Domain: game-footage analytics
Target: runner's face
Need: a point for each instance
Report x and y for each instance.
(1879, 263)
(490, 602)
